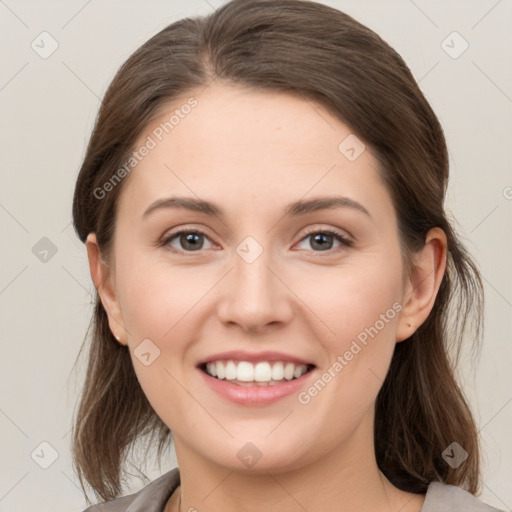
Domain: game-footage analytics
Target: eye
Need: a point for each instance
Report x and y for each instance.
(190, 240)
(193, 240)
(323, 239)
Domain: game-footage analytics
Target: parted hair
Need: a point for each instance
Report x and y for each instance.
(324, 56)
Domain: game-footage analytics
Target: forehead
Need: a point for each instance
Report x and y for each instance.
(229, 118)
(237, 144)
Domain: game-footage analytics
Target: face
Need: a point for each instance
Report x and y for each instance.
(317, 286)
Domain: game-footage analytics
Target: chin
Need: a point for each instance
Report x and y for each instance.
(259, 456)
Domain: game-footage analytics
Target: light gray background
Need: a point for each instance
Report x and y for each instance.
(47, 109)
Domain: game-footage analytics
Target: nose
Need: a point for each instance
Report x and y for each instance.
(255, 295)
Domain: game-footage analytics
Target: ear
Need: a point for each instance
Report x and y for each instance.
(103, 280)
(423, 285)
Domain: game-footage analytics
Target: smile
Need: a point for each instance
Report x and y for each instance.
(263, 373)
(258, 384)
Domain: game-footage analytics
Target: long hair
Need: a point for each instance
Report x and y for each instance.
(322, 55)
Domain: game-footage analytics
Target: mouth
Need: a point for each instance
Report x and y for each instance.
(262, 373)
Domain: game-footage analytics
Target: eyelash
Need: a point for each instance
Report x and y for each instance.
(343, 240)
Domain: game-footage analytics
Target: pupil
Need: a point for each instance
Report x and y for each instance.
(191, 238)
(319, 238)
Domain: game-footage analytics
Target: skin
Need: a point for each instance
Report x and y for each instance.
(253, 153)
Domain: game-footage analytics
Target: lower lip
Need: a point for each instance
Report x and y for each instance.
(254, 395)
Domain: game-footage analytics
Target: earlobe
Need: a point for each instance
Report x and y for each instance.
(103, 282)
(423, 285)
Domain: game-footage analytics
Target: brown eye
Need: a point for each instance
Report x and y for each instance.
(189, 241)
(322, 240)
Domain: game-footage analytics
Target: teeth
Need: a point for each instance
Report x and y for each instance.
(230, 370)
(289, 371)
(262, 372)
(245, 372)
(221, 370)
(277, 371)
(212, 369)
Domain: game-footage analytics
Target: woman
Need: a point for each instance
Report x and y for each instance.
(262, 206)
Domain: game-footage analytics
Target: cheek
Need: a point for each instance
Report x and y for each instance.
(155, 309)
(155, 296)
(159, 303)
(358, 308)
(347, 300)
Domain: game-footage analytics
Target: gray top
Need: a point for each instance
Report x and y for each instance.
(154, 496)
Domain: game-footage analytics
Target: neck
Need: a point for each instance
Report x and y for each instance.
(346, 478)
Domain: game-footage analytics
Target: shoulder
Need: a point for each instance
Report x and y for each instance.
(442, 497)
(151, 498)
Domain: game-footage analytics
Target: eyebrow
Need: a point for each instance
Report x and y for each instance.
(297, 208)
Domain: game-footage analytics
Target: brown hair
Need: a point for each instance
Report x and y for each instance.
(325, 56)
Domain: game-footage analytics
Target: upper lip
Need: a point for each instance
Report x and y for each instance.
(253, 357)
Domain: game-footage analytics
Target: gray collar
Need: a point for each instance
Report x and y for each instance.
(154, 496)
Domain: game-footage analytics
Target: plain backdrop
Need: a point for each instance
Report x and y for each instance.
(48, 104)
